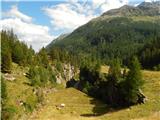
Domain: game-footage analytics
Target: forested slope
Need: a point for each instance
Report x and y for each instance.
(114, 35)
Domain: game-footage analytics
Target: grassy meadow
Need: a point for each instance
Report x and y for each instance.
(79, 106)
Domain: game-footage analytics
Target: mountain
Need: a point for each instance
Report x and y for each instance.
(118, 33)
(123, 11)
(57, 39)
(145, 8)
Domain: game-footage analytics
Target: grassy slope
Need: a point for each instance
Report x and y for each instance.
(81, 107)
(18, 90)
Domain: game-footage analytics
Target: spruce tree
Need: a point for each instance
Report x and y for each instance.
(6, 61)
(17, 53)
(43, 75)
(115, 70)
(32, 75)
(133, 81)
(43, 57)
(114, 78)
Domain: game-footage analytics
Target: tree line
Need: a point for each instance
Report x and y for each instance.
(149, 55)
(13, 50)
(40, 73)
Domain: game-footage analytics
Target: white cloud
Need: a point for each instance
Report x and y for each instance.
(73, 14)
(15, 13)
(135, 5)
(151, 0)
(147, 0)
(32, 34)
(68, 16)
(112, 4)
(73, 1)
(97, 3)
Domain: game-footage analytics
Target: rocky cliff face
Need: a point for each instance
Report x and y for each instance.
(68, 72)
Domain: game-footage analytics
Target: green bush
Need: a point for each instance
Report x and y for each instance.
(41, 76)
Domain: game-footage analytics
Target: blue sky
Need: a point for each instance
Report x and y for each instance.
(38, 22)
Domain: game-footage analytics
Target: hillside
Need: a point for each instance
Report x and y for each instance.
(114, 34)
(79, 106)
(22, 97)
(18, 91)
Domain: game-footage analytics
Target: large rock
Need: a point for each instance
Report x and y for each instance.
(9, 77)
(141, 97)
(59, 79)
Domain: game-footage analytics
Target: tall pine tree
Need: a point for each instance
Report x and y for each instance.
(133, 81)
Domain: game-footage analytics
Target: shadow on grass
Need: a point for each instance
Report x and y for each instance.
(100, 109)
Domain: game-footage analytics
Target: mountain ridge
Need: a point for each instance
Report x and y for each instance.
(112, 13)
(62, 36)
(145, 8)
(108, 36)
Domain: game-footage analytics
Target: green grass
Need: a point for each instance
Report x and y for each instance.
(17, 90)
(79, 106)
(145, 18)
